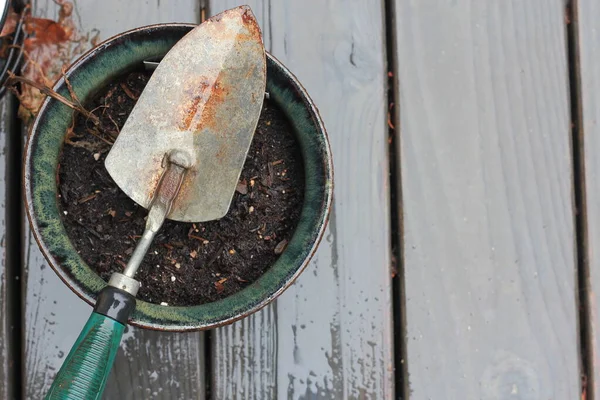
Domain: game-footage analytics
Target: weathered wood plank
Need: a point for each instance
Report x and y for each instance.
(8, 287)
(158, 365)
(150, 365)
(244, 363)
(586, 17)
(328, 336)
(489, 254)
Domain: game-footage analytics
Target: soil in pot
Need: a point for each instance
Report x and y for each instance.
(188, 264)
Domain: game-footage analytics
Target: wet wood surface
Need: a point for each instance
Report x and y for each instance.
(329, 336)
(149, 365)
(489, 237)
(489, 306)
(586, 14)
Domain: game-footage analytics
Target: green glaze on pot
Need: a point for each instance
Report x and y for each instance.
(94, 71)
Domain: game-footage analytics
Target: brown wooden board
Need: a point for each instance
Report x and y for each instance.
(330, 334)
(8, 286)
(150, 365)
(586, 14)
(489, 239)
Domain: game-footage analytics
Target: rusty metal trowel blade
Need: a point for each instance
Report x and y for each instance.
(203, 100)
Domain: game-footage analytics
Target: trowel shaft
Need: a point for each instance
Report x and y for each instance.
(165, 194)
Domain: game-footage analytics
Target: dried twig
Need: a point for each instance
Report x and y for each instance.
(70, 88)
(87, 198)
(13, 79)
(104, 107)
(200, 238)
(115, 124)
(95, 133)
(128, 91)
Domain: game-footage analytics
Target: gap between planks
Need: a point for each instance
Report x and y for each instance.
(397, 234)
(10, 271)
(580, 207)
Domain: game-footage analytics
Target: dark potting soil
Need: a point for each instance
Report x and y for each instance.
(188, 264)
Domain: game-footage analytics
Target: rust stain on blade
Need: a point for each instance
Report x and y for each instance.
(198, 90)
(251, 24)
(200, 110)
(217, 97)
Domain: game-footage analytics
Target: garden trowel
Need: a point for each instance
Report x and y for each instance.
(179, 154)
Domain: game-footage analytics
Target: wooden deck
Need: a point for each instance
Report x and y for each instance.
(461, 257)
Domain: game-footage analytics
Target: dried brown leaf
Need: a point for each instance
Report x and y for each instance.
(10, 24)
(49, 47)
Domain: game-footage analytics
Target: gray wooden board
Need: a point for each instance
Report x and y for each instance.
(7, 356)
(150, 365)
(489, 242)
(587, 15)
(330, 334)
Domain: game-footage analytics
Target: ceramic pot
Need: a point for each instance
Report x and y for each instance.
(91, 73)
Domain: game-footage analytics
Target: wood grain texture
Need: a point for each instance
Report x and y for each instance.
(586, 17)
(329, 335)
(8, 384)
(150, 365)
(244, 364)
(489, 254)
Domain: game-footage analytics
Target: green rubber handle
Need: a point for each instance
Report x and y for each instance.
(85, 370)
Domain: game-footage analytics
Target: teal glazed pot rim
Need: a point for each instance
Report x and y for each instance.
(96, 69)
